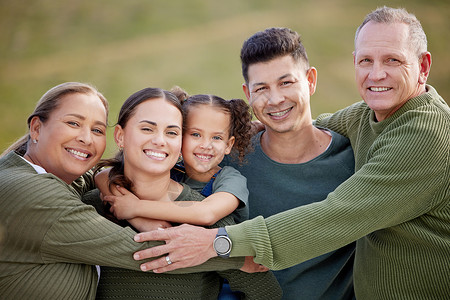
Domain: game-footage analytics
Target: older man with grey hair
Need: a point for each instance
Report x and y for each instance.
(396, 205)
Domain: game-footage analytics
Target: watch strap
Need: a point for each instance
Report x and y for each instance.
(224, 241)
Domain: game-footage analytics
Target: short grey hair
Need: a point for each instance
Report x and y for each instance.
(390, 15)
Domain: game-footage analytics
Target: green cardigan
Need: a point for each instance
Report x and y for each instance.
(50, 241)
(396, 205)
(116, 283)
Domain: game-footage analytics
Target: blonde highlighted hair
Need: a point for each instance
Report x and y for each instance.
(48, 103)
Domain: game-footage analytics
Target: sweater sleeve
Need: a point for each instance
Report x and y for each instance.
(46, 223)
(402, 185)
(81, 235)
(84, 183)
(344, 120)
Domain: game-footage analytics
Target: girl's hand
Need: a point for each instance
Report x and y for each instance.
(124, 203)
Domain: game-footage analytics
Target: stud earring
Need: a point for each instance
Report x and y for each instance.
(34, 141)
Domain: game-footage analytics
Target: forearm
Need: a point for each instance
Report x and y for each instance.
(296, 235)
(97, 241)
(283, 240)
(145, 224)
(206, 212)
(401, 182)
(387, 191)
(213, 264)
(93, 240)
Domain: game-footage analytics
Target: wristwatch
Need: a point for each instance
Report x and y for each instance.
(222, 243)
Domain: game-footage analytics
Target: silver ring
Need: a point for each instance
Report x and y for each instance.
(169, 262)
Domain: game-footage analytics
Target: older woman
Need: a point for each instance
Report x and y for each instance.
(51, 240)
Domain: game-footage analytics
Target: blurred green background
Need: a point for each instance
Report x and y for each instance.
(122, 46)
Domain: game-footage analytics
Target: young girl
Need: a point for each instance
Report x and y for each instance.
(213, 128)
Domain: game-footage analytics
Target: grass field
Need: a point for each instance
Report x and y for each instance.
(123, 46)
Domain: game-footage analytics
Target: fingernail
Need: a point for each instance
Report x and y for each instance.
(136, 257)
(143, 268)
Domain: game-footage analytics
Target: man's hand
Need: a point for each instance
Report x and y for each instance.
(251, 267)
(186, 246)
(257, 126)
(101, 181)
(144, 224)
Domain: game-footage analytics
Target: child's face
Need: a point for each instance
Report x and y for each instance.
(206, 141)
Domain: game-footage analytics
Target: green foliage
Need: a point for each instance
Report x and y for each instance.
(122, 46)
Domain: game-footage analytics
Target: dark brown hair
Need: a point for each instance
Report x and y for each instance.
(240, 117)
(128, 109)
(272, 43)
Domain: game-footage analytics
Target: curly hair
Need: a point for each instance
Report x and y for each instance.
(240, 117)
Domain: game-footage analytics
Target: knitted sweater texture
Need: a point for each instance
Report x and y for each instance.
(116, 283)
(50, 241)
(396, 205)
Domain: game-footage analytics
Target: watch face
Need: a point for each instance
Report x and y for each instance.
(222, 245)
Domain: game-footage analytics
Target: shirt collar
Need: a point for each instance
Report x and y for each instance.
(39, 169)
